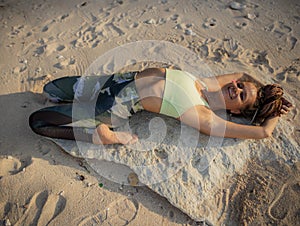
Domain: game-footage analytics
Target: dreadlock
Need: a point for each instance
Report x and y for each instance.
(268, 103)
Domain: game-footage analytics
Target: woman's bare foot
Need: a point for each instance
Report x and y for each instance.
(103, 135)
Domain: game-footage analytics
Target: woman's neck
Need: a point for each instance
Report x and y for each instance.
(214, 99)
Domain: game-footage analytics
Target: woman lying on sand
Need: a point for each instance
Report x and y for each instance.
(174, 93)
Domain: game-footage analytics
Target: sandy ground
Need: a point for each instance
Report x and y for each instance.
(42, 40)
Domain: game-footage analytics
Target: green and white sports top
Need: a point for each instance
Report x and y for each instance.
(180, 93)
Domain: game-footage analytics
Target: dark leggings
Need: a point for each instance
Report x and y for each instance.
(50, 123)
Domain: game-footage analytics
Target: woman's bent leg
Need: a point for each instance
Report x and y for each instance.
(50, 122)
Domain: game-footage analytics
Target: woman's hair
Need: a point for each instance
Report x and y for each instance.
(268, 103)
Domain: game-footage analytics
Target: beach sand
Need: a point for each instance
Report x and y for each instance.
(42, 40)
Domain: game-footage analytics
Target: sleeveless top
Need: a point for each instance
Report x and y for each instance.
(180, 93)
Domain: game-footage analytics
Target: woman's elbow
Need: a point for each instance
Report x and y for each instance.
(210, 128)
(266, 133)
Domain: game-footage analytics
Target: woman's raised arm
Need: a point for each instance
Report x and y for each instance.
(207, 122)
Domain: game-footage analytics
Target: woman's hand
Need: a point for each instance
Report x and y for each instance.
(286, 107)
(270, 123)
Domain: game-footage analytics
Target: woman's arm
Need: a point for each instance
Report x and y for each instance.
(215, 83)
(235, 130)
(207, 122)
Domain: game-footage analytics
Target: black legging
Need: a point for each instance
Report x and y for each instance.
(50, 123)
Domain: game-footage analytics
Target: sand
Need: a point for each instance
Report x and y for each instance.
(44, 40)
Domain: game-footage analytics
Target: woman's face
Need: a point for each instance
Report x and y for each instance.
(239, 96)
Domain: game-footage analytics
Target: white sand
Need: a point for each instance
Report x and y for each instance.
(44, 40)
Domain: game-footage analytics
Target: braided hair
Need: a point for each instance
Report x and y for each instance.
(268, 103)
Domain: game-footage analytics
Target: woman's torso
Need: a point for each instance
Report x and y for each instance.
(151, 86)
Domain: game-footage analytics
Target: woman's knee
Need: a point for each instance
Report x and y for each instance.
(35, 121)
(158, 72)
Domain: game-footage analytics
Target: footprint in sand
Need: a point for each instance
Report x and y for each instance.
(54, 48)
(91, 36)
(49, 49)
(260, 59)
(292, 41)
(210, 23)
(134, 25)
(48, 25)
(289, 193)
(42, 209)
(16, 31)
(292, 70)
(118, 213)
(65, 63)
(241, 25)
(279, 29)
(11, 165)
(200, 48)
